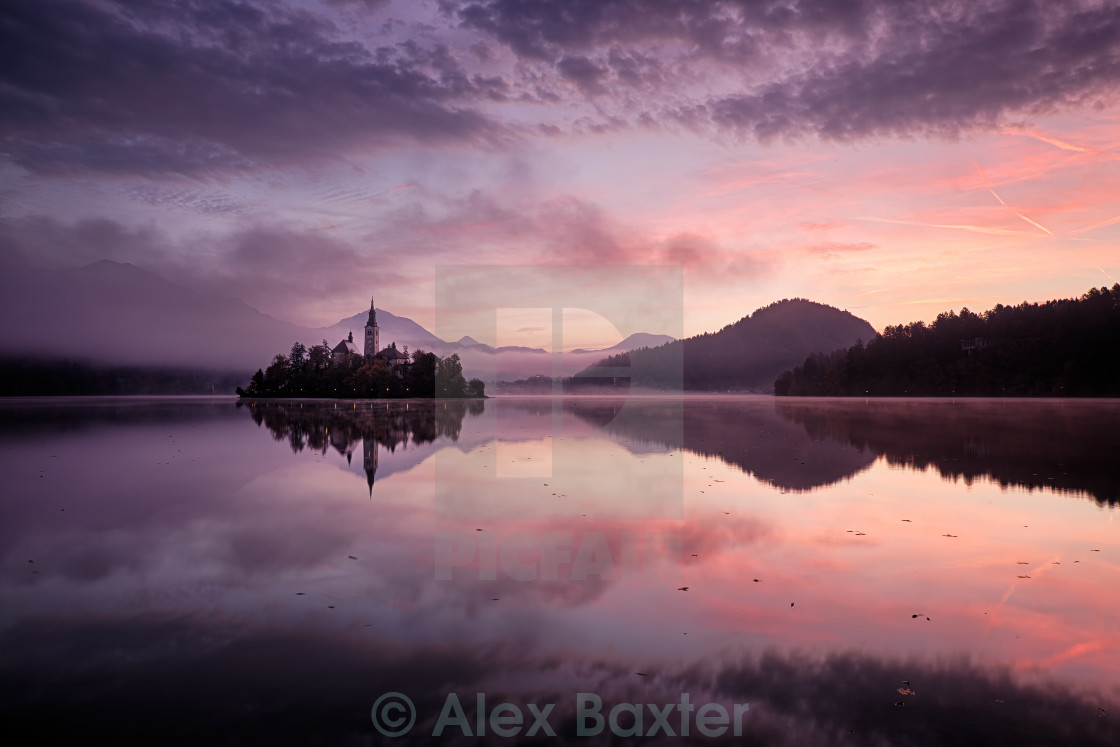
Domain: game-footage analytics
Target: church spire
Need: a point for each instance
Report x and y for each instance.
(373, 341)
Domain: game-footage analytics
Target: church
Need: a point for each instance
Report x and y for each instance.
(372, 343)
(373, 340)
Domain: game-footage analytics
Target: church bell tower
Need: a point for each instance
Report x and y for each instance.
(373, 341)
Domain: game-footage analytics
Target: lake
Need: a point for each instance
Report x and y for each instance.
(693, 570)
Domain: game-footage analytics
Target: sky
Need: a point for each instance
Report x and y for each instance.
(892, 158)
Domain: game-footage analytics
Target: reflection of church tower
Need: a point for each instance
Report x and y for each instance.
(369, 458)
(373, 341)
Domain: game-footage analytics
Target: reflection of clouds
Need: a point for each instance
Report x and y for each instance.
(205, 677)
(163, 587)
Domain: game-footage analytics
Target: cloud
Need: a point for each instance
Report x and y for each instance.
(289, 272)
(201, 87)
(47, 242)
(970, 71)
(583, 72)
(560, 230)
(195, 87)
(836, 249)
(120, 675)
(841, 71)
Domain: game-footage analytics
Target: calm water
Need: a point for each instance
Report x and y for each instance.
(826, 572)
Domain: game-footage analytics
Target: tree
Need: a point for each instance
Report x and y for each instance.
(276, 375)
(298, 357)
(318, 357)
(1059, 347)
(314, 373)
(421, 378)
(449, 377)
(256, 384)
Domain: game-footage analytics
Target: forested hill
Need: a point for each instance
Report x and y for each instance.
(747, 354)
(1069, 347)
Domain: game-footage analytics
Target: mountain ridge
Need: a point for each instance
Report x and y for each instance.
(746, 354)
(115, 313)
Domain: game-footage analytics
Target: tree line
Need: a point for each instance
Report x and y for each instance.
(34, 377)
(314, 372)
(1068, 347)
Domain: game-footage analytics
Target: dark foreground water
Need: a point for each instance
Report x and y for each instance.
(755, 571)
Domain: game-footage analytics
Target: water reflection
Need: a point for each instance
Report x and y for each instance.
(802, 444)
(748, 433)
(194, 681)
(197, 572)
(1066, 446)
(787, 443)
(318, 425)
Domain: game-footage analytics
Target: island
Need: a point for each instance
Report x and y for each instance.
(345, 371)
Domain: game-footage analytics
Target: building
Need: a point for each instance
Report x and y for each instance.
(344, 348)
(976, 343)
(372, 344)
(373, 337)
(394, 357)
(369, 459)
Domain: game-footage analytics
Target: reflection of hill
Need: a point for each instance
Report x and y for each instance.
(49, 416)
(1066, 446)
(747, 433)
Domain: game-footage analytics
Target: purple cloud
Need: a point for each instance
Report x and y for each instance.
(841, 70)
(211, 87)
(194, 87)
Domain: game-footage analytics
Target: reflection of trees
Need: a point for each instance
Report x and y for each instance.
(802, 444)
(1066, 446)
(318, 425)
(340, 425)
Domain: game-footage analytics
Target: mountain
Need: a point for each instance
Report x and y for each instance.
(633, 342)
(751, 352)
(508, 362)
(747, 354)
(1064, 347)
(393, 328)
(118, 313)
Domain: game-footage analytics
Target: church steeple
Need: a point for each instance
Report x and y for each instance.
(369, 459)
(373, 336)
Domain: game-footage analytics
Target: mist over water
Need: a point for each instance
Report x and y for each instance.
(859, 572)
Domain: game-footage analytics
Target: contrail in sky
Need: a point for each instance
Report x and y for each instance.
(1059, 143)
(1102, 224)
(1001, 202)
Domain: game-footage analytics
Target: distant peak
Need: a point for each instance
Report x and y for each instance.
(106, 263)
